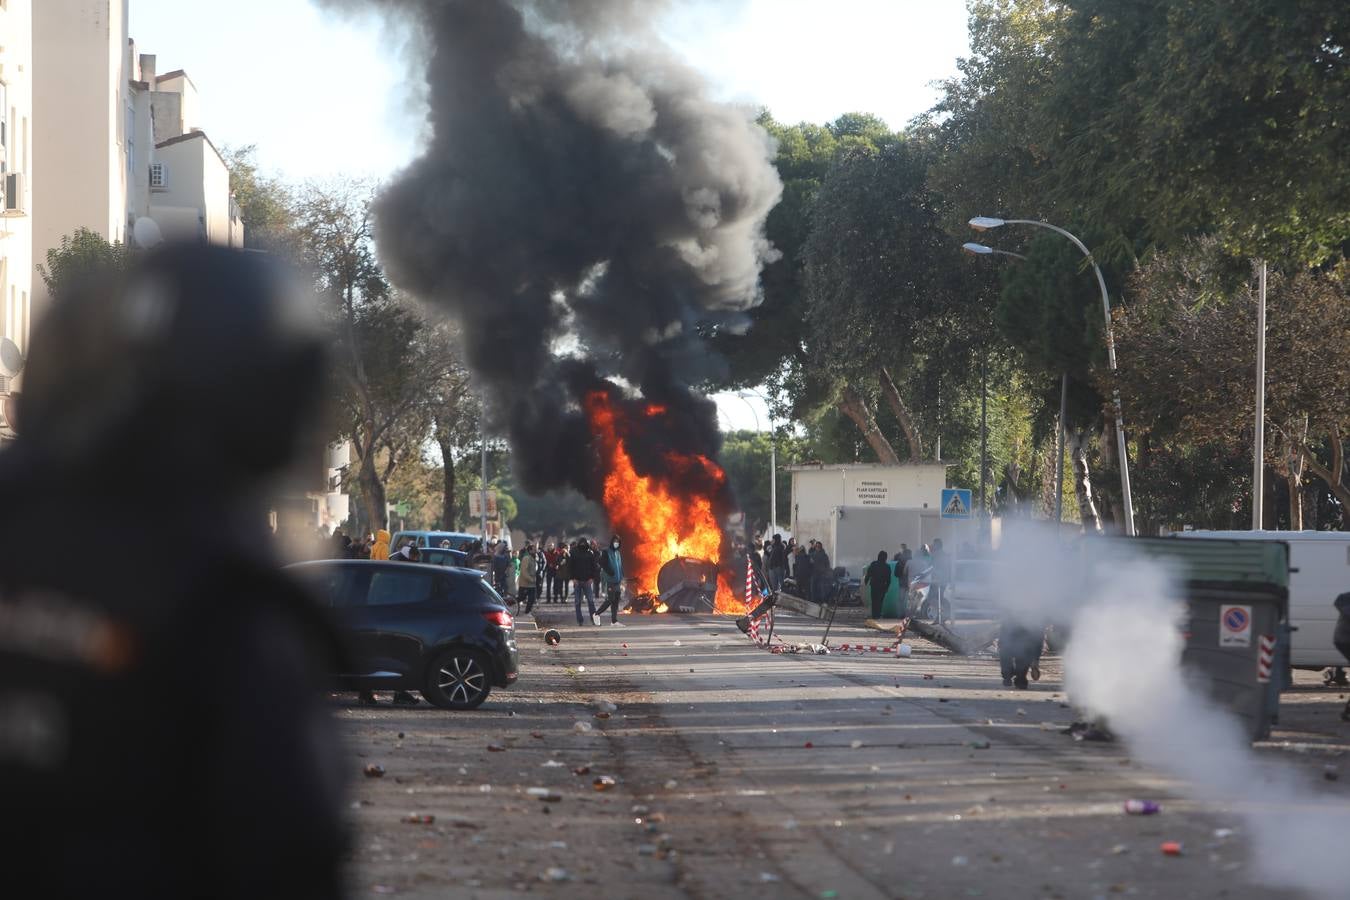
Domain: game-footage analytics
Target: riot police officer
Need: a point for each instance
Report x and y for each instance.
(161, 728)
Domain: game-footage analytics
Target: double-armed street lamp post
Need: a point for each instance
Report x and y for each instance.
(986, 223)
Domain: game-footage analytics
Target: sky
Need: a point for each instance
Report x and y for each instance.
(321, 95)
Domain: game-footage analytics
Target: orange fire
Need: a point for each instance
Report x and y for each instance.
(658, 521)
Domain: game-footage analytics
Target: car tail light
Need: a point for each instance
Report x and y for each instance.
(500, 617)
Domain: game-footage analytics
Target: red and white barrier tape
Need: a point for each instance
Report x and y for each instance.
(1265, 657)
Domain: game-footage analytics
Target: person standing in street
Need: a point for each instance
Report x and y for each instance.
(380, 549)
(550, 574)
(878, 578)
(1341, 638)
(777, 560)
(611, 574)
(820, 572)
(585, 569)
(565, 569)
(529, 575)
(801, 572)
(501, 567)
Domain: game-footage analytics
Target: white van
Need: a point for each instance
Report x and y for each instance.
(1319, 570)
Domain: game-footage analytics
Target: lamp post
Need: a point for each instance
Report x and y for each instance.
(773, 455)
(985, 223)
(482, 440)
(1259, 448)
(975, 249)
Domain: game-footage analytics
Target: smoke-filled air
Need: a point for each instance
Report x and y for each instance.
(1123, 665)
(582, 207)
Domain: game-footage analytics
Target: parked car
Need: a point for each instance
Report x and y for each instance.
(409, 626)
(459, 540)
(968, 596)
(440, 556)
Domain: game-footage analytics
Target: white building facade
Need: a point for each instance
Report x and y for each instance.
(123, 142)
(16, 172)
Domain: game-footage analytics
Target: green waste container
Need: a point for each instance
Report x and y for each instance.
(1237, 629)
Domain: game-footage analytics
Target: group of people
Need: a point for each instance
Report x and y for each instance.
(589, 570)
(808, 565)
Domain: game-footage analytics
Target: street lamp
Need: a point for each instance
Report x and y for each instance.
(773, 454)
(986, 223)
(981, 250)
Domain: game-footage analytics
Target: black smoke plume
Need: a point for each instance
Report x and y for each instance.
(582, 208)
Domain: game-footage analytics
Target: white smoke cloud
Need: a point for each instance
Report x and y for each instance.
(1125, 618)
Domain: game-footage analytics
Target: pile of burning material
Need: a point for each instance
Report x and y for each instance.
(646, 604)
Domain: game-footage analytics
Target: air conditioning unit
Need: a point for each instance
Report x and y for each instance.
(16, 187)
(159, 177)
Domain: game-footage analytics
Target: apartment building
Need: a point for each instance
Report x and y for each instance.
(16, 223)
(124, 142)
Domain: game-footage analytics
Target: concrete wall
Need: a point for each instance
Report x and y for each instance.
(196, 204)
(80, 106)
(177, 108)
(16, 231)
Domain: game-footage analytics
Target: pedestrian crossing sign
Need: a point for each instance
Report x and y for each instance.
(955, 504)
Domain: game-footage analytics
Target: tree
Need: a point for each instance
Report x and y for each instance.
(391, 358)
(82, 256)
(266, 205)
(891, 309)
(1150, 122)
(1187, 362)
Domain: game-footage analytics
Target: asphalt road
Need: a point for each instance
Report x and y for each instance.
(743, 773)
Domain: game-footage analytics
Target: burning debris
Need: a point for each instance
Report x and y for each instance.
(586, 212)
(686, 585)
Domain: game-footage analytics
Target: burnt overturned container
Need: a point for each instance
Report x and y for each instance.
(688, 585)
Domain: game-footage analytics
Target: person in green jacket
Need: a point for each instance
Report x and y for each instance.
(611, 575)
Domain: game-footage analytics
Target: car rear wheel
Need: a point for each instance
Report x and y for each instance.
(457, 679)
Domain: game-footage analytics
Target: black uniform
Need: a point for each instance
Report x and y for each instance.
(161, 729)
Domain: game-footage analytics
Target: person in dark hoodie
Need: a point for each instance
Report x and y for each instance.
(162, 729)
(584, 570)
(878, 578)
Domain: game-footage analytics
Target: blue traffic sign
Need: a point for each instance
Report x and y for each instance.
(955, 503)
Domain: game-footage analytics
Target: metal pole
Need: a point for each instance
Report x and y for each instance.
(1059, 450)
(773, 478)
(1111, 360)
(1259, 445)
(984, 428)
(482, 440)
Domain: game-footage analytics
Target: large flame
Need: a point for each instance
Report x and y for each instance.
(660, 517)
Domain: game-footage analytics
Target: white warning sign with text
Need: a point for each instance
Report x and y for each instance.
(1235, 626)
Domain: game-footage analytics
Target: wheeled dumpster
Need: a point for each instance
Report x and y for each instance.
(1237, 629)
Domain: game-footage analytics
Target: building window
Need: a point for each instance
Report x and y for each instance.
(159, 177)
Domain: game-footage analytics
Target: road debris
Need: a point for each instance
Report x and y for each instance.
(581, 727)
(603, 782)
(373, 771)
(555, 873)
(496, 748)
(418, 819)
(552, 637)
(544, 795)
(582, 770)
(1142, 807)
(1171, 848)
